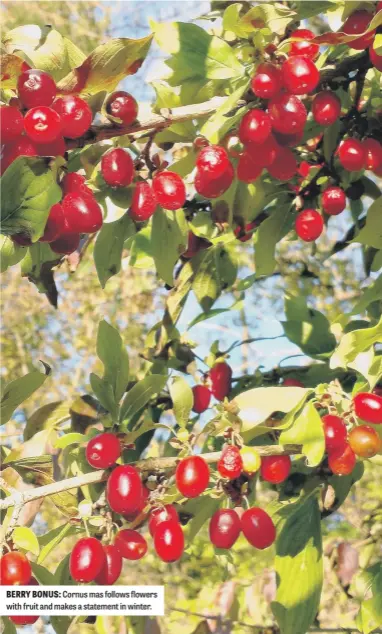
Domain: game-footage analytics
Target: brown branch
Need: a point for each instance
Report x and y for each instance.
(149, 465)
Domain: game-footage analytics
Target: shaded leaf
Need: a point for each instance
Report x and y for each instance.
(173, 241)
(109, 247)
(19, 391)
(140, 394)
(113, 354)
(46, 417)
(182, 400)
(10, 253)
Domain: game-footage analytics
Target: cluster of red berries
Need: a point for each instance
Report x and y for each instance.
(234, 462)
(218, 384)
(15, 570)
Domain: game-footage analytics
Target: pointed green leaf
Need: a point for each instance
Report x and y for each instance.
(182, 400)
(109, 247)
(307, 430)
(25, 539)
(173, 241)
(19, 391)
(112, 352)
(140, 394)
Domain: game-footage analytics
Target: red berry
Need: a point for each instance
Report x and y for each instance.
(212, 159)
(36, 88)
(292, 383)
(358, 22)
(169, 541)
(82, 213)
(249, 168)
(267, 82)
(333, 201)
(202, 397)
(342, 461)
(66, 243)
(54, 148)
(131, 544)
(373, 151)
(123, 106)
(309, 225)
(192, 476)
(55, 225)
(304, 46)
(74, 183)
(11, 124)
(245, 234)
(255, 127)
(375, 59)
(42, 124)
(166, 513)
(224, 528)
(275, 469)
(76, 115)
(368, 407)
(263, 153)
(335, 433)
(102, 451)
(194, 245)
(24, 620)
(111, 568)
(288, 113)
(230, 464)
(326, 107)
(144, 202)
(124, 490)
(220, 377)
(364, 441)
(284, 166)
(214, 187)
(86, 559)
(142, 504)
(289, 140)
(258, 528)
(15, 569)
(352, 155)
(300, 75)
(117, 168)
(169, 189)
(22, 147)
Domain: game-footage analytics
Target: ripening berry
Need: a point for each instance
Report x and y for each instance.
(103, 450)
(342, 462)
(249, 167)
(352, 155)
(267, 81)
(15, 569)
(124, 490)
(131, 544)
(169, 541)
(368, 407)
(214, 187)
(309, 225)
(220, 378)
(365, 441)
(230, 464)
(23, 620)
(284, 167)
(304, 46)
(373, 151)
(251, 460)
(86, 559)
(169, 189)
(224, 528)
(36, 88)
(358, 22)
(74, 183)
(117, 167)
(112, 567)
(333, 201)
(192, 476)
(123, 106)
(258, 528)
(335, 433)
(202, 398)
(275, 469)
(255, 127)
(66, 244)
(54, 148)
(300, 75)
(82, 213)
(55, 225)
(212, 159)
(76, 115)
(11, 124)
(144, 202)
(292, 383)
(42, 124)
(375, 58)
(288, 113)
(166, 513)
(326, 107)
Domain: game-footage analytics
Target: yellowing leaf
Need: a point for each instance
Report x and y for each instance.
(25, 539)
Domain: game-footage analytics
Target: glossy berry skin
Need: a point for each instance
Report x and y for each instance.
(263, 153)
(258, 528)
(368, 407)
(169, 541)
(220, 377)
(117, 168)
(131, 544)
(224, 528)
(335, 433)
(352, 155)
(55, 225)
(342, 461)
(170, 190)
(74, 183)
(214, 187)
(142, 504)
(144, 202)
(300, 75)
(275, 469)
(76, 115)
(304, 46)
(36, 88)
(123, 106)
(267, 82)
(364, 441)
(11, 124)
(192, 476)
(284, 167)
(213, 160)
(124, 490)
(251, 460)
(375, 59)
(102, 451)
(166, 513)
(309, 225)
(333, 201)
(249, 168)
(326, 108)
(111, 568)
(23, 620)
(54, 148)
(255, 127)
(292, 383)
(66, 243)
(373, 151)
(230, 464)
(15, 569)
(22, 147)
(87, 559)
(356, 23)
(82, 213)
(288, 113)
(42, 124)
(202, 398)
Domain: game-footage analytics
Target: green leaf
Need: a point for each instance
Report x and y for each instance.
(352, 343)
(220, 123)
(202, 509)
(56, 55)
(371, 234)
(141, 255)
(207, 281)
(53, 538)
(61, 624)
(140, 394)
(307, 328)
(195, 53)
(299, 566)
(11, 66)
(371, 293)
(8, 626)
(310, 8)
(275, 16)
(69, 439)
(105, 394)
(331, 140)
(106, 66)
(109, 247)
(113, 354)
(250, 200)
(10, 253)
(19, 391)
(25, 539)
(182, 400)
(173, 241)
(266, 238)
(38, 265)
(307, 430)
(48, 416)
(369, 617)
(28, 191)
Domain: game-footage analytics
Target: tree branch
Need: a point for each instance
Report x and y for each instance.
(149, 465)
